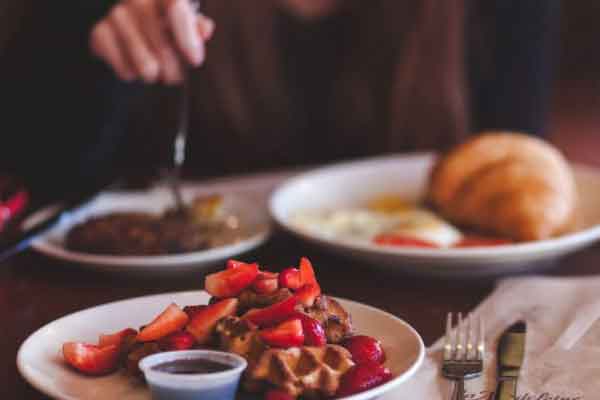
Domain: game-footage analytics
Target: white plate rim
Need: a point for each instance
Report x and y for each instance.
(217, 253)
(582, 236)
(379, 390)
(370, 394)
(156, 262)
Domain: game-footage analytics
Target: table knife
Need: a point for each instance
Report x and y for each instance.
(511, 352)
(41, 220)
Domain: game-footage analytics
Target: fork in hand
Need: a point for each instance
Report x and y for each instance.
(464, 349)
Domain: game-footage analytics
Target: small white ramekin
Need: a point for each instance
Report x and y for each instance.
(206, 386)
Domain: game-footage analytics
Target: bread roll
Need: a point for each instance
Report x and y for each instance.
(508, 184)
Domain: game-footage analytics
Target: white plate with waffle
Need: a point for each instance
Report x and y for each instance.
(41, 364)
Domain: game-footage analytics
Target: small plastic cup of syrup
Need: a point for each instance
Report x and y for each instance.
(193, 374)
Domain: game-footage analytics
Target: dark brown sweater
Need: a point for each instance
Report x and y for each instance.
(67, 123)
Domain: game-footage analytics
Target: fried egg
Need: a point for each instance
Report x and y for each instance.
(427, 226)
(365, 224)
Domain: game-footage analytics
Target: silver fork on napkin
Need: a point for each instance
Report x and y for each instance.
(464, 350)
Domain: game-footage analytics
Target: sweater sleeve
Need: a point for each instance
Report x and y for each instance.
(65, 112)
(512, 52)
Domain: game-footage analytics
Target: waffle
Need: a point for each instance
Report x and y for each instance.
(250, 299)
(240, 337)
(335, 320)
(136, 353)
(301, 371)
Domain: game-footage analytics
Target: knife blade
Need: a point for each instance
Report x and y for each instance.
(40, 221)
(511, 352)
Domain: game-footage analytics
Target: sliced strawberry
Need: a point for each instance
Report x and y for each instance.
(231, 282)
(307, 294)
(392, 239)
(191, 311)
(287, 334)
(233, 264)
(265, 286)
(307, 273)
(268, 275)
(278, 394)
(314, 333)
(274, 314)
(181, 340)
(91, 359)
(363, 377)
(116, 338)
(169, 321)
(364, 349)
(265, 283)
(481, 241)
(204, 322)
(290, 278)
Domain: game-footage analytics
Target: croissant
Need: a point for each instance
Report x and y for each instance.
(509, 184)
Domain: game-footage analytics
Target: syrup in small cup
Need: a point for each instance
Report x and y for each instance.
(193, 374)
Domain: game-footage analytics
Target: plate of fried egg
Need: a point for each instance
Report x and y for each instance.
(381, 211)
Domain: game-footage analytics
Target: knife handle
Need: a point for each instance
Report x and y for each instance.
(506, 390)
(459, 390)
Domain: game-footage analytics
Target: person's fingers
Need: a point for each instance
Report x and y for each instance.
(206, 27)
(151, 39)
(134, 43)
(182, 20)
(153, 27)
(105, 45)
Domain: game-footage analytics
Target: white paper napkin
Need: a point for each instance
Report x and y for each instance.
(562, 360)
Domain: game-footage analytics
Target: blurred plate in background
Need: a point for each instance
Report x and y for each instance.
(353, 184)
(248, 209)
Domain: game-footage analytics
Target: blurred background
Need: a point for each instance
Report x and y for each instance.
(575, 117)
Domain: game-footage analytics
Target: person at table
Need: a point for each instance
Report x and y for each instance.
(90, 87)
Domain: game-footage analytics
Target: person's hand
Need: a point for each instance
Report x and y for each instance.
(151, 40)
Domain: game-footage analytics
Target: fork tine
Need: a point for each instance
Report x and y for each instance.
(481, 342)
(460, 337)
(469, 340)
(463, 353)
(448, 338)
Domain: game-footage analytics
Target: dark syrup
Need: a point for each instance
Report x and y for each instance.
(191, 366)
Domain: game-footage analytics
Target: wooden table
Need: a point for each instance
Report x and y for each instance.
(35, 290)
